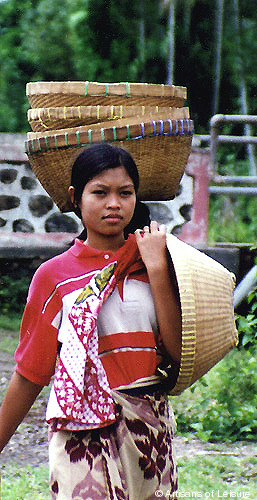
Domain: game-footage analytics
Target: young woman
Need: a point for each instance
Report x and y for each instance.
(107, 310)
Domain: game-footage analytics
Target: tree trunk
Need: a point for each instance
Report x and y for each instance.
(171, 39)
(219, 35)
(242, 86)
(142, 40)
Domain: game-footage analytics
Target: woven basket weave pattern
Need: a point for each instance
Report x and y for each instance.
(56, 94)
(108, 131)
(57, 100)
(208, 326)
(43, 119)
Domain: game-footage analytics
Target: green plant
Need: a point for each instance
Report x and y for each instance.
(247, 325)
(13, 293)
(222, 406)
(232, 219)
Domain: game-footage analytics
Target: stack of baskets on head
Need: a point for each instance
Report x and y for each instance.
(148, 120)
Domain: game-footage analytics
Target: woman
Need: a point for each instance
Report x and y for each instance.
(110, 308)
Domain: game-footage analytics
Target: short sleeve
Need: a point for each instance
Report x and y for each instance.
(37, 350)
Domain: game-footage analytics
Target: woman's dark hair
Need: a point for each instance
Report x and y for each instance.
(95, 159)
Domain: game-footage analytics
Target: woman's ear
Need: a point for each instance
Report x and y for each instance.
(76, 209)
(71, 192)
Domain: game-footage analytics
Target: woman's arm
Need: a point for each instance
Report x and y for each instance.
(152, 246)
(19, 398)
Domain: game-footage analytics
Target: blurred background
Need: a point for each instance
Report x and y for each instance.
(209, 46)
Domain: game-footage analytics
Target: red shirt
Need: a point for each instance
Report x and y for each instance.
(127, 325)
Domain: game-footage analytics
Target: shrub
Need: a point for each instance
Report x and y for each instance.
(13, 294)
(222, 406)
(247, 325)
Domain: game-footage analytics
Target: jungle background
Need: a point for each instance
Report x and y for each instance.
(210, 47)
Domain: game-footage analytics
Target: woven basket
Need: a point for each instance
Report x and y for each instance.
(159, 148)
(42, 119)
(59, 94)
(206, 297)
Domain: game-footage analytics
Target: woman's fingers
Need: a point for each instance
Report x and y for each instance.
(162, 228)
(153, 228)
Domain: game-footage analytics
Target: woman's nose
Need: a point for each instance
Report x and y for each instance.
(113, 200)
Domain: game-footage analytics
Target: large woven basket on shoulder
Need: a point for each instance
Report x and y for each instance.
(159, 147)
(42, 119)
(58, 94)
(208, 324)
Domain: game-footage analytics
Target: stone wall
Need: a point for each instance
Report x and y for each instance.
(26, 207)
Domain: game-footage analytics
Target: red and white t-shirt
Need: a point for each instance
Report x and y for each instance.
(127, 325)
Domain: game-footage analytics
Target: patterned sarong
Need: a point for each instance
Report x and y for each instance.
(131, 459)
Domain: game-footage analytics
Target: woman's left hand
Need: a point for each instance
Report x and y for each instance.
(151, 242)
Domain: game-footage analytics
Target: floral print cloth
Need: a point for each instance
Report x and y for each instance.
(81, 396)
(128, 460)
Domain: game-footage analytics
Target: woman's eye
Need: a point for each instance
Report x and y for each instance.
(99, 192)
(126, 193)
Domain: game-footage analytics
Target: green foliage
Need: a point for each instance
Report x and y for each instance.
(232, 219)
(123, 41)
(222, 406)
(13, 293)
(247, 325)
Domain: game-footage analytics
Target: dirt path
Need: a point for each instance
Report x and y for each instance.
(29, 443)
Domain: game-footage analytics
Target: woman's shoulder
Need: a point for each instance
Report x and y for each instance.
(51, 272)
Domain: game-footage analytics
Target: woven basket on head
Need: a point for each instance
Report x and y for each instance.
(160, 149)
(58, 94)
(206, 297)
(42, 119)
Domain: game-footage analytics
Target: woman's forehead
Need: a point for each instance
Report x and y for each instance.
(115, 175)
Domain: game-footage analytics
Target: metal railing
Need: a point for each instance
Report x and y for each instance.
(224, 181)
(227, 184)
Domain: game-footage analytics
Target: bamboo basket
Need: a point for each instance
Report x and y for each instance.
(59, 94)
(159, 147)
(206, 298)
(43, 119)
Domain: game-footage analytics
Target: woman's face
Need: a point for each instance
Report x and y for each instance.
(107, 206)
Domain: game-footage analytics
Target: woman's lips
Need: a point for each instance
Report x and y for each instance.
(112, 217)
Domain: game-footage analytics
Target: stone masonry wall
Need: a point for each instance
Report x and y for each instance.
(26, 207)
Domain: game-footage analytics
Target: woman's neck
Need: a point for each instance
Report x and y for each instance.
(111, 243)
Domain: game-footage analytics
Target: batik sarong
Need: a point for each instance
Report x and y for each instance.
(131, 459)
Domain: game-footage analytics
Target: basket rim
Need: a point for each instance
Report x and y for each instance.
(90, 89)
(66, 112)
(127, 130)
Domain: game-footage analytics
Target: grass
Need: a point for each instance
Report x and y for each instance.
(26, 483)
(10, 323)
(218, 476)
(8, 340)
